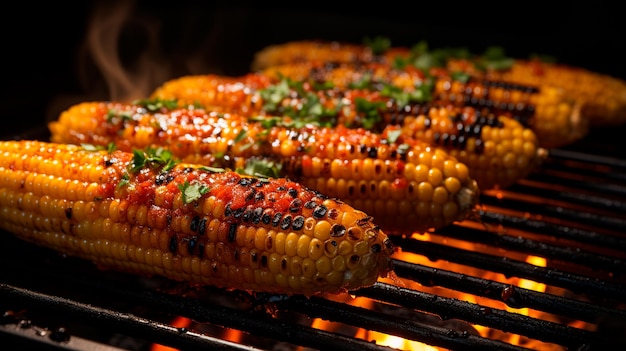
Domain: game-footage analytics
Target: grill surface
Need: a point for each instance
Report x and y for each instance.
(570, 211)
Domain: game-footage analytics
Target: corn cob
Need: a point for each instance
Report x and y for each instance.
(406, 185)
(141, 213)
(602, 97)
(555, 119)
(498, 150)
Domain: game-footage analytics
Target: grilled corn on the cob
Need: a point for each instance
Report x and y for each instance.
(554, 117)
(498, 150)
(405, 184)
(602, 97)
(141, 213)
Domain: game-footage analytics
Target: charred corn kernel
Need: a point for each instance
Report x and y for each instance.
(601, 97)
(447, 124)
(305, 154)
(256, 243)
(552, 113)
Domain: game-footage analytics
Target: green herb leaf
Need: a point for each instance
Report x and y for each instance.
(379, 44)
(393, 135)
(152, 157)
(156, 104)
(261, 167)
(192, 191)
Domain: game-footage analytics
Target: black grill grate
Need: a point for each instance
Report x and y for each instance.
(571, 211)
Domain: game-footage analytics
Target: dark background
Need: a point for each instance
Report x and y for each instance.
(48, 65)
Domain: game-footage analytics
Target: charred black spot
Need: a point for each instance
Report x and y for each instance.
(283, 264)
(295, 205)
(363, 221)
(388, 244)
(292, 192)
(259, 196)
(238, 212)
(320, 211)
(160, 179)
(266, 218)
(245, 181)
(195, 224)
(310, 205)
(68, 213)
(264, 261)
(254, 257)
(355, 258)
(250, 195)
(277, 218)
(227, 211)
(202, 226)
(247, 215)
(376, 248)
(372, 152)
(256, 215)
(298, 223)
(337, 230)
(110, 162)
(191, 244)
(333, 213)
(173, 244)
(200, 250)
(286, 223)
(187, 170)
(232, 232)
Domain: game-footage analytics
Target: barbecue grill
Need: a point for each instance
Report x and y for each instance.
(540, 266)
(570, 212)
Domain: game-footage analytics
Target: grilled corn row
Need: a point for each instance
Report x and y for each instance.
(406, 185)
(602, 97)
(498, 150)
(555, 118)
(187, 223)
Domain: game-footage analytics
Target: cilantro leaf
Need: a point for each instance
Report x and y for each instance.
(192, 191)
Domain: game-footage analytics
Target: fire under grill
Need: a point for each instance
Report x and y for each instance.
(541, 266)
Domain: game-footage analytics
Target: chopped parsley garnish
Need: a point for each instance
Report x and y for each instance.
(311, 110)
(115, 116)
(379, 44)
(212, 169)
(421, 94)
(152, 157)
(156, 104)
(264, 168)
(192, 191)
(370, 110)
(90, 147)
(494, 58)
(393, 135)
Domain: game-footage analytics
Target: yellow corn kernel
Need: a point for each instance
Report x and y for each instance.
(254, 244)
(322, 158)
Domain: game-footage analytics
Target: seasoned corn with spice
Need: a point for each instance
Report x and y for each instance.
(553, 116)
(405, 184)
(601, 97)
(142, 213)
(498, 149)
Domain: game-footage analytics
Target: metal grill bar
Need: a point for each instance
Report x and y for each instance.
(554, 230)
(448, 308)
(573, 255)
(515, 297)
